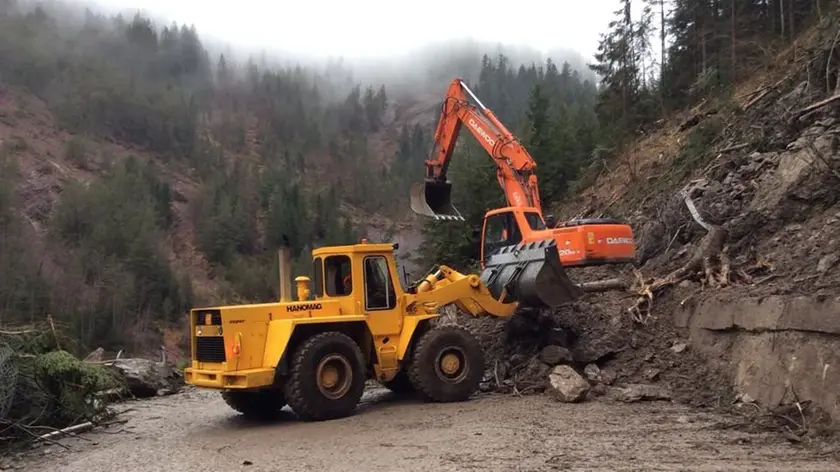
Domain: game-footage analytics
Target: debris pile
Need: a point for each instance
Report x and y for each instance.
(44, 388)
(748, 205)
(142, 378)
(569, 356)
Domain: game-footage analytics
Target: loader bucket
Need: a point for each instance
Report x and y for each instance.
(432, 198)
(529, 273)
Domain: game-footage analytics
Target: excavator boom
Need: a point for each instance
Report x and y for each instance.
(515, 167)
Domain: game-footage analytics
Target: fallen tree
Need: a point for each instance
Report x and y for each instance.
(44, 388)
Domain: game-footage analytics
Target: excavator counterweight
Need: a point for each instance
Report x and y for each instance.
(434, 199)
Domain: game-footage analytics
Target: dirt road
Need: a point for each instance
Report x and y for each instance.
(196, 431)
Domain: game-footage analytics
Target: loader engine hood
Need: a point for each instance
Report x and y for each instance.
(530, 274)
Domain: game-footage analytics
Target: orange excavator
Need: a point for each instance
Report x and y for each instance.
(507, 231)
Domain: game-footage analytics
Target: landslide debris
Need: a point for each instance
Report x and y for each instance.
(749, 205)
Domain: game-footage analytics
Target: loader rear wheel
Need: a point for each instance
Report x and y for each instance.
(400, 384)
(259, 404)
(327, 377)
(448, 364)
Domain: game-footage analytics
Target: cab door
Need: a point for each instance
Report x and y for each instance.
(383, 311)
(500, 229)
(381, 304)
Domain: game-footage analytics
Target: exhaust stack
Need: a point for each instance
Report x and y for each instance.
(531, 274)
(284, 257)
(434, 199)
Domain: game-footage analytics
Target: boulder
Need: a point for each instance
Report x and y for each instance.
(553, 355)
(593, 373)
(145, 378)
(535, 371)
(608, 376)
(679, 347)
(567, 385)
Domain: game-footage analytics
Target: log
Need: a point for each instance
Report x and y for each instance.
(817, 105)
(79, 428)
(734, 148)
(603, 285)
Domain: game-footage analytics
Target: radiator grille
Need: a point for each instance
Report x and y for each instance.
(210, 349)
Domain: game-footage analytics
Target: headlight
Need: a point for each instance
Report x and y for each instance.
(199, 331)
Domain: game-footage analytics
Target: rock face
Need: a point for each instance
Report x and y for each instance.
(144, 378)
(567, 385)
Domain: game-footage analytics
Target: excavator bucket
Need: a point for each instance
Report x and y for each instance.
(529, 273)
(432, 198)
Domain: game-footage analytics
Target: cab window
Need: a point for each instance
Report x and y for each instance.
(535, 221)
(337, 276)
(500, 230)
(379, 288)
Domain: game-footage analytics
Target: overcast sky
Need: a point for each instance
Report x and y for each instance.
(376, 28)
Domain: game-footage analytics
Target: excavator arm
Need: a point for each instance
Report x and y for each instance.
(515, 167)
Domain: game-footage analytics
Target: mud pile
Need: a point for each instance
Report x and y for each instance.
(599, 341)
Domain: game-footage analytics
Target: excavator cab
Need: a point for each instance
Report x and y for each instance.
(517, 268)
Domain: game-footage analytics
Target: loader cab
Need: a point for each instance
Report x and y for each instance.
(361, 276)
(508, 226)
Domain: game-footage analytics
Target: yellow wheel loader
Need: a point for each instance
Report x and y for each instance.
(354, 321)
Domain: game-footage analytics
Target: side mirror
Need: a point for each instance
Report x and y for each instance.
(550, 221)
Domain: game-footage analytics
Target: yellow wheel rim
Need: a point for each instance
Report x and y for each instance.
(334, 375)
(329, 376)
(450, 363)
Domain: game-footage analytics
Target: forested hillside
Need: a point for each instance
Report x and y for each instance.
(143, 174)
(239, 156)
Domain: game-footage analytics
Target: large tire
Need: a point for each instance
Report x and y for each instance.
(327, 377)
(259, 404)
(400, 384)
(448, 364)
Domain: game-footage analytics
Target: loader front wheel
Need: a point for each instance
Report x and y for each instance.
(448, 364)
(327, 377)
(259, 404)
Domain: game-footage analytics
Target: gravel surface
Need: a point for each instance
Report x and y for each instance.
(195, 430)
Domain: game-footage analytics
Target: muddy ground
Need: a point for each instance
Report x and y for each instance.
(195, 430)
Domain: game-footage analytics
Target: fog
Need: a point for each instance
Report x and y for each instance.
(366, 29)
(414, 48)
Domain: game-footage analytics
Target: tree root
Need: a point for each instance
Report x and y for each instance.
(710, 265)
